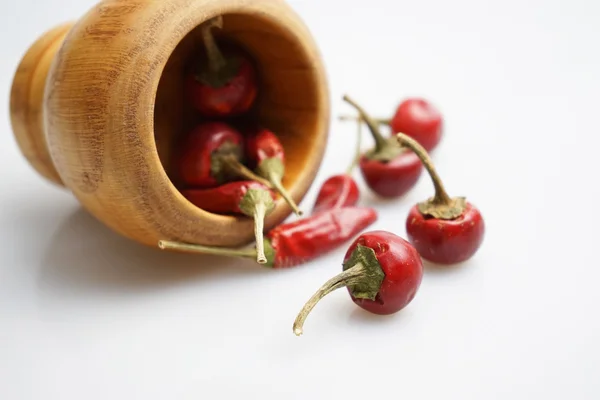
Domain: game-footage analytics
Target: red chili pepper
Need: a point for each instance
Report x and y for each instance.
(382, 272)
(390, 170)
(340, 190)
(420, 120)
(300, 241)
(247, 197)
(210, 155)
(265, 153)
(225, 85)
(444, 229)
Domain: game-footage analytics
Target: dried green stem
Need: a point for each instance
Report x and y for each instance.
(216, 60)
(260, 210)
(196, 248)
(349, 277)
(380, 141)
(441, 196)
(357, 152)
(275, 181)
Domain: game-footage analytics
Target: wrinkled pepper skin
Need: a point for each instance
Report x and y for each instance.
(401, 265)
(446, 241)
(306, 239)
(336, 192)
(394, 178)
(197, 150)
(224, 199)
(234, 98)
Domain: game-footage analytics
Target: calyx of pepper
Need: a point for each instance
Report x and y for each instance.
(385, 150)
(221, 159)
(219, 70)
(273, 170)
(372, 276)
(441, 205)
(258, 203)
(451, 209)
(362, 275)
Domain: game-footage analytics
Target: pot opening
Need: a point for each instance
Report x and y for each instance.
(289, 101)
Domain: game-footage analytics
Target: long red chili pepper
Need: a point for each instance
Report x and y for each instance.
(210, 155)
(389, 169)
(299, 241)
(265, 153)
(340, 190)
(246, 197)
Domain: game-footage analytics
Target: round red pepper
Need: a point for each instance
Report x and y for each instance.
(444, 229)
(382, 273)
(223, 85)
(300, 241)
(389, 169)
(210, 155)
(420, 120)
(265, 153)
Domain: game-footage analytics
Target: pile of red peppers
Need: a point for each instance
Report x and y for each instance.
(228, 170)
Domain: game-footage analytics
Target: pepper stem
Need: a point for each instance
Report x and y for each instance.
(380, 142)
(260, 210)
(357, 152)
(196, 248)
(275, 181)
(349, 277)
(216, 60)
(240, 170)
(441, 196)
(380, 121)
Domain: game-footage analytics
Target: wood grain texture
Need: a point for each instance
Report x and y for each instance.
(114, 107)
(27, 98)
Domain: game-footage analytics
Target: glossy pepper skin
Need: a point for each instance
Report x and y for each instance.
(224, 199)
(303, 240)
(298, 242)
(266, 155)
(444, 229)
(389, 169)
(198, 148)
(393, 178)
(262, 144)
(337, 192)
(420, 120)
(233, 98)
(382, 273)
(401, 265)
(446, 241)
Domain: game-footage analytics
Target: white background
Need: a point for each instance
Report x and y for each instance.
(85, 314)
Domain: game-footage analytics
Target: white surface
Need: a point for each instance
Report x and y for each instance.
(85, 314)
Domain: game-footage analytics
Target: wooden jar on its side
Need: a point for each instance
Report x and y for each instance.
(98, 106)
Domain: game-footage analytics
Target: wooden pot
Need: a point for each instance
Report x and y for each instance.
(97, 106)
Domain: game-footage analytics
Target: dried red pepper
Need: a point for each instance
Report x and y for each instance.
(300, 241)
(224, 84)
(389, 169)
(249, 198)
(265, 153)
(340, 190)
(211, 154)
